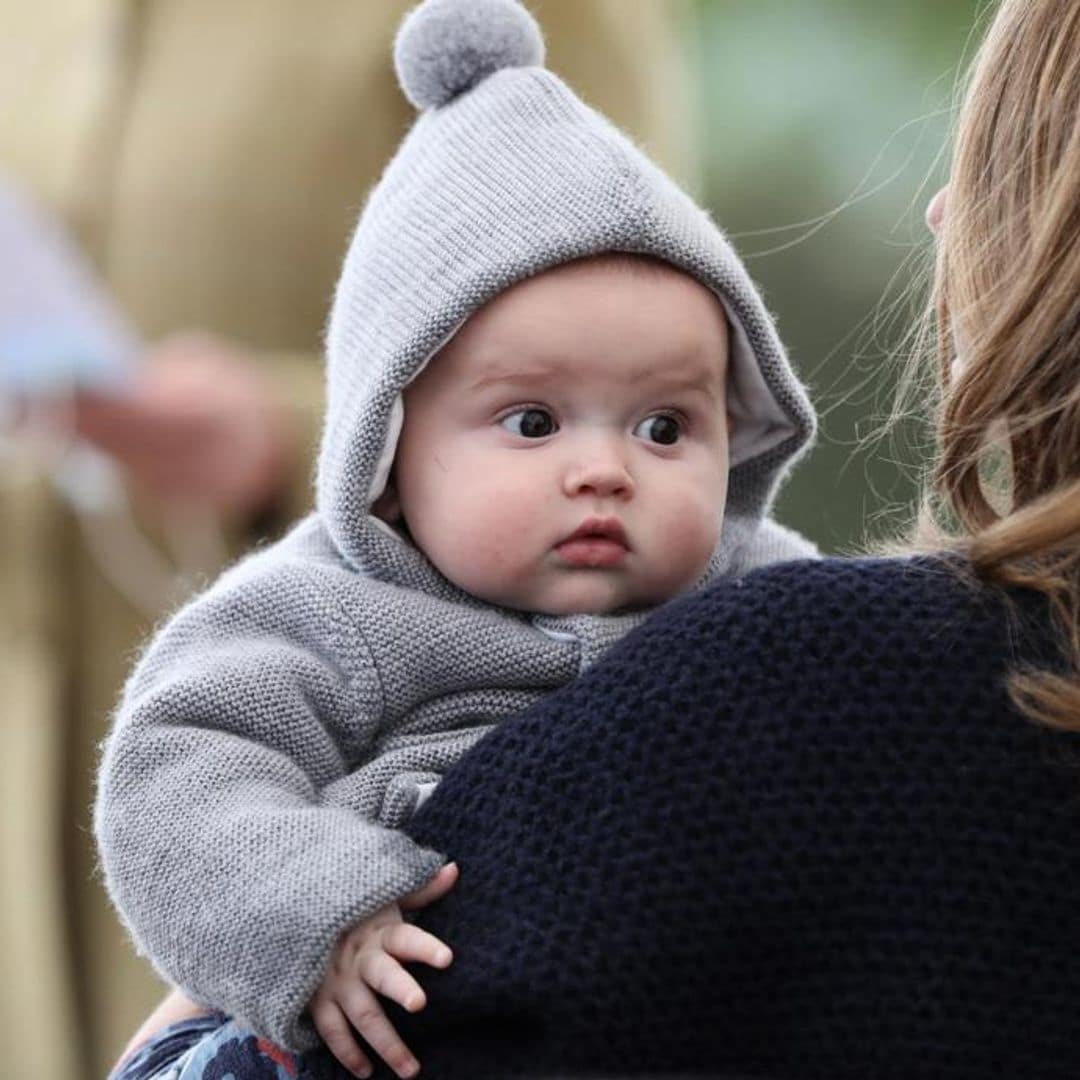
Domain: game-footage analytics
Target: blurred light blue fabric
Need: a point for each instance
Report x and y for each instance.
(59, 327)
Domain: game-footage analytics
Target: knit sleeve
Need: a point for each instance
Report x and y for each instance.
(230, 872)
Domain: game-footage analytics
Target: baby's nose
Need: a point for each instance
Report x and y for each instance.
(603, 472)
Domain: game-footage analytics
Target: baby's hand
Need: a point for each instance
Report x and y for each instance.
(364, 963)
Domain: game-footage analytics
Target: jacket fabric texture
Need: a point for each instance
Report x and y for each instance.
(273, 741)
(213, 195)
(791, 827)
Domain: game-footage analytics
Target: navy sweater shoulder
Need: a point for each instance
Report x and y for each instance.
(791, 827)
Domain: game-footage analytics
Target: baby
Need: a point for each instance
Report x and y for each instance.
(555, 401)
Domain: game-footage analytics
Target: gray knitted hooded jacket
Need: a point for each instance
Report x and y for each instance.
(270, 743)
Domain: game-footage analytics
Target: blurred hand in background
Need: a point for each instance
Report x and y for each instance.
(208, 193)
(202, 423)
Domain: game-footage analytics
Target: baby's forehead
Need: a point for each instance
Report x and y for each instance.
(593, 318)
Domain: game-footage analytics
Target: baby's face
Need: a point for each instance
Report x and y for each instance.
(567, 451)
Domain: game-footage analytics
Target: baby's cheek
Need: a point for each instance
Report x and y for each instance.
(490, 538)
(691, 539)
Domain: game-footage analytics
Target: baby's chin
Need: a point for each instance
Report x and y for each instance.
(584, 593)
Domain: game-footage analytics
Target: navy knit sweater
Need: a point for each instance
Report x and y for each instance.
(790, 828)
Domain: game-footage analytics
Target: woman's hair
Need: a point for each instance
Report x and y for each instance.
(1006, 300)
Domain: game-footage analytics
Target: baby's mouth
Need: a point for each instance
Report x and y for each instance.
(596, 542)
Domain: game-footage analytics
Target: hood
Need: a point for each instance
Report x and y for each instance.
(507, 173)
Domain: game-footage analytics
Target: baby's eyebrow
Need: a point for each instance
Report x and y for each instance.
(708, 383)
(496, 376)
(705, 374)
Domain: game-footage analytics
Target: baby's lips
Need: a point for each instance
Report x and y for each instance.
(599, 528)
(592, 551)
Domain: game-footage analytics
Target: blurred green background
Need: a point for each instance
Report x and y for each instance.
(835, 115)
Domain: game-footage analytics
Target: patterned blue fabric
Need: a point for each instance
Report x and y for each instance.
(160, 1057)
(215, 1048)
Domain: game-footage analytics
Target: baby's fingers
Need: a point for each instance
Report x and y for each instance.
(387, 977)
(408, 942)
(433, 890)
(367, 1016)
(333, 1027)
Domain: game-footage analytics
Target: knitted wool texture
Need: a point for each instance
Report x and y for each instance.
(511, 176)
(271, 742)
(792, 827)
(269, 747)
(445, 47)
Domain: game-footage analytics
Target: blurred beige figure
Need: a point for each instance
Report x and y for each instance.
(208, 157)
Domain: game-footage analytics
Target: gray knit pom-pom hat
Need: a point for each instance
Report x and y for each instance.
(507, 173)
(444, 47)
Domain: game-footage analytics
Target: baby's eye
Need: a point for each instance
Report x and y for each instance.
(660, 428)
(530, 423)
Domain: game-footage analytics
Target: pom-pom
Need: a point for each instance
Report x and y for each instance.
(445, 47)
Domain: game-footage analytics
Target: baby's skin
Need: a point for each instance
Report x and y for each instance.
(565, 452)
(366, 962)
